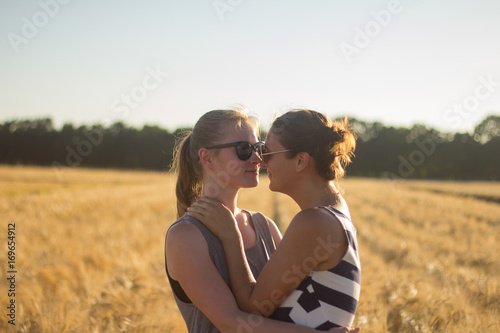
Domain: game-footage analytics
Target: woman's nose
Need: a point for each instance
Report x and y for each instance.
(259, 159)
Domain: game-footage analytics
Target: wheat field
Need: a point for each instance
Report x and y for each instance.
(89, 251)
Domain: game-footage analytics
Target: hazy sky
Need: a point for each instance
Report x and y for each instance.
(167, 62)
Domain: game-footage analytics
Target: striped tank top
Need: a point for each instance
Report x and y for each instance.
(329, 298)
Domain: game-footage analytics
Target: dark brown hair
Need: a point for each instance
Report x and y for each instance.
(331, 144)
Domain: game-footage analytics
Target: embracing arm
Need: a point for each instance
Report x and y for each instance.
(306, 245)
(189, 263)
(309, 242)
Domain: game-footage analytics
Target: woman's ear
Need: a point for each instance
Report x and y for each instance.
(205, 157)
(302, 161)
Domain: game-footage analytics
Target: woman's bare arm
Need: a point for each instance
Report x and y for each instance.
(189, 263)
(308, 242)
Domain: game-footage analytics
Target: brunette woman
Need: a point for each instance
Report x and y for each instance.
(314, 276)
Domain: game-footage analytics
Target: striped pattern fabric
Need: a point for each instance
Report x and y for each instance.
(329, 298)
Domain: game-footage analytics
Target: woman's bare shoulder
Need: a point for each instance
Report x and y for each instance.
(313, 217)
(185, 235)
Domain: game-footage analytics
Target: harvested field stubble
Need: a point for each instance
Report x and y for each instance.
(89, 251)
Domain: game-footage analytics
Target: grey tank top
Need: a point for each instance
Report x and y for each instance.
(257, 256)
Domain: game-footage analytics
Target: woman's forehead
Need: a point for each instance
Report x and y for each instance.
(241, 134)
(271, 139)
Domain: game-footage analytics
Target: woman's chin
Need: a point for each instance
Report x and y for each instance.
(271, 186)
(274, 188)
(251, 183)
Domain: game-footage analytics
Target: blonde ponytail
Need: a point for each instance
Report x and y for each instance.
(189, 184)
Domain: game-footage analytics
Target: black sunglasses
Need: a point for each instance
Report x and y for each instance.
(244, 149)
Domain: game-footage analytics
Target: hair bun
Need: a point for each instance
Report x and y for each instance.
(330, 143)
(337, 132)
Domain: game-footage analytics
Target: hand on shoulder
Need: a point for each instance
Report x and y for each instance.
(216, 217)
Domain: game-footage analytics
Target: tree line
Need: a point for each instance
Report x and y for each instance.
(418, 152)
